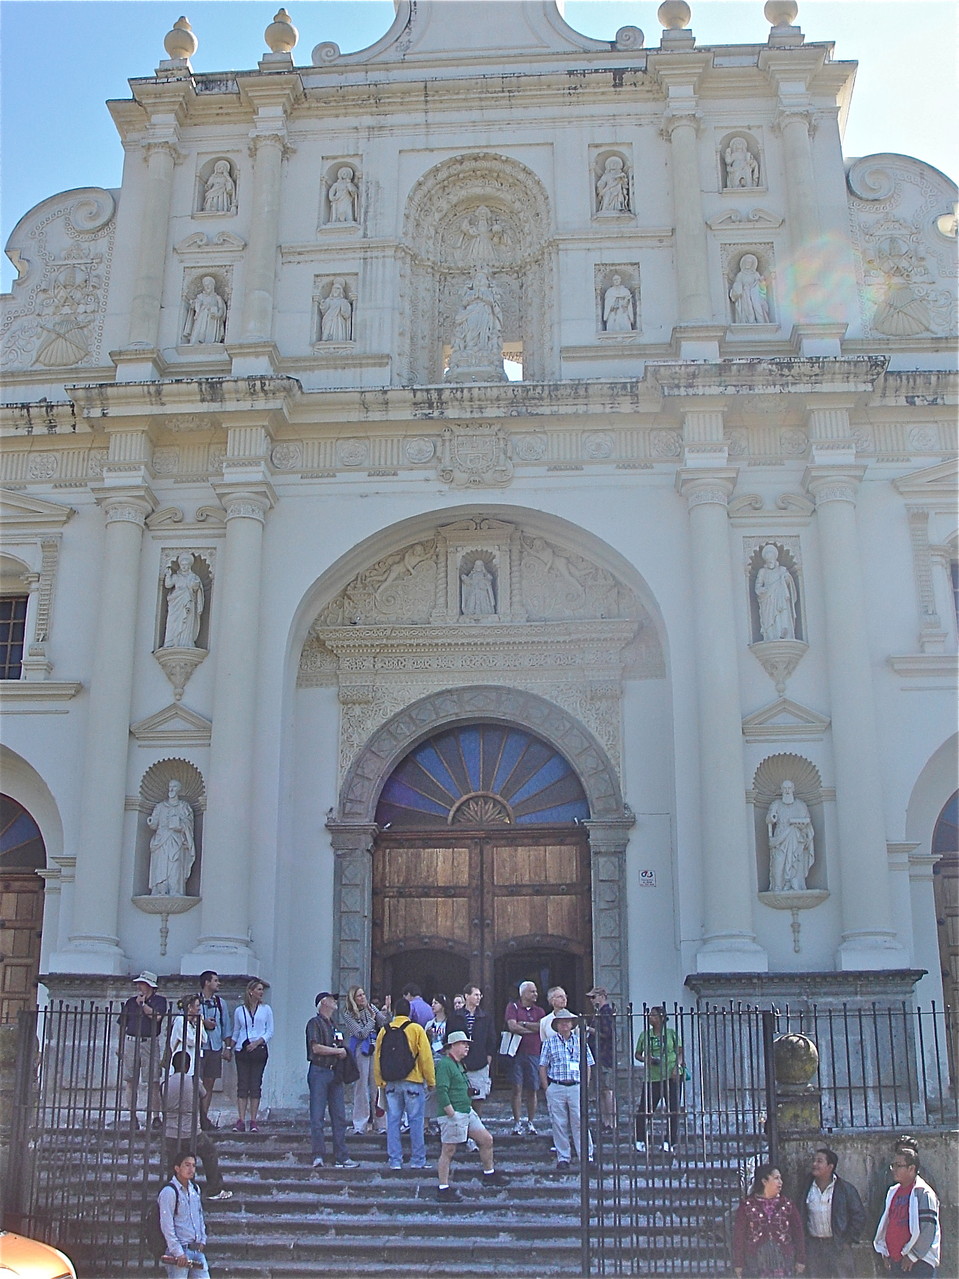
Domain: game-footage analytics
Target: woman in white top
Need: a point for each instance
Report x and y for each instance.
(185, 1025)
(252, 1031)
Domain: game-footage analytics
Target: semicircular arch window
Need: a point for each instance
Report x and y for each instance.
(21, 844)
(482, 775)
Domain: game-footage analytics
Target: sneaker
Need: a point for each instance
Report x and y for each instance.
(447, 1195)
(495, 1178)
(220, 1194)
(641, 1147)
(420, 1167)
(519, 1128)
(346, 1163)
(157, 1123)
(667, 1148)
(531, 1128)
(239, 1126)
(471, 1144)
(253, 1128)
(395, 1167)
(404, 1126)
(318, 1162)
(562, 1165)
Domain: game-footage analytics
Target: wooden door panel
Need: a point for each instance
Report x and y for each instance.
(405, 917)
(21, 909)
(406, 867)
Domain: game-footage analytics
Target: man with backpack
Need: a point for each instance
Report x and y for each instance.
(181, 1222)
(403, 1067)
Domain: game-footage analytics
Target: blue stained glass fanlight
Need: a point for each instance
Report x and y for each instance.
(21, 844)
(482, 775)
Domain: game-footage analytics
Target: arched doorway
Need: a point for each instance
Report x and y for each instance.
(481, 870)
(22, 854)
(945, 842)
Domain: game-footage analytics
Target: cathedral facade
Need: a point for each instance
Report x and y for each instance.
(484, 507)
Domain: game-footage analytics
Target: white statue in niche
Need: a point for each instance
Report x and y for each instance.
(776, 593)
(207, 322)
(184, 603)
(478, 325)
(482, 235)
(748, 293)
(336, 314)
(742, 168)
(791, 842)
(219, 195)
(618, 314)
(172, 851)
(479, 599)
(343, 196)
(612, 189)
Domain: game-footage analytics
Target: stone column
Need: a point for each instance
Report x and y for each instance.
(161, 156)
(228, 861)
(352, 903)
(860, 861)
(607, 844)
(260, 258)
(795, 126)
(681, 128)
(94, 940)
(729, 888)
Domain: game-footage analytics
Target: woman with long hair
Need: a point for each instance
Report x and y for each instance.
(768, 1240)
(186, 1031)
(252, 1032)
(361, 1020)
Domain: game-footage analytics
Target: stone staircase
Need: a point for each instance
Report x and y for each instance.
(287, 1219)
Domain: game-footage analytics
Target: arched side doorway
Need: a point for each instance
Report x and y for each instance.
(551, 880)
(945, 843)
(22, 854)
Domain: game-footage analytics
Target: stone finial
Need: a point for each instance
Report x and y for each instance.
(674, 14)
(180, 42)
(781, 13)
(281, 35)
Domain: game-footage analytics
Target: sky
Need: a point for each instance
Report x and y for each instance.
(61, 60)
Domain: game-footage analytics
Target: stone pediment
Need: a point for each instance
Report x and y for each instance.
(175, 725)
(784, 720)
(934, 487)
(20, 513)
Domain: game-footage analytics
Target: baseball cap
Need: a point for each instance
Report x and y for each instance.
(597, 990)
(325, 994)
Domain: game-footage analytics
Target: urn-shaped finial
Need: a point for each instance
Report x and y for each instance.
(781, 13)
(674, 14)
(281, 35)
(180, 42)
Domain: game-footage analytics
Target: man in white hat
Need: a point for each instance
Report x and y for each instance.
(457, 1118)
(560, 1072)
(139, 1051)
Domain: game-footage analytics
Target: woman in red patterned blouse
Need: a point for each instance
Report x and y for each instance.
(768, 1238)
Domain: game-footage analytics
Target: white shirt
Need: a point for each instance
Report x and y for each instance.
(819, 1205)
(258, 1025)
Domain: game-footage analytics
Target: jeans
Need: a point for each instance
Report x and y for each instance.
(197, 1269)
(411, 1098)
(326, 1092)
(920, 1268)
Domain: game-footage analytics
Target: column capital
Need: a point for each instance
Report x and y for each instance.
(676, 116)
(246, 501)
(699, 487)
(131, 506)
(167, 146)
(351, 837)
(790, 113)
(833, 483)
(612, 834)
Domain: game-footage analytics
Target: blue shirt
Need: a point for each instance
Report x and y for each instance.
(218, 1011)
(560, 1057)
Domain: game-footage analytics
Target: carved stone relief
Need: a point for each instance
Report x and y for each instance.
(788, 795)
(59, 299)
(475, 457)
(739, 163)
(176, 848)
(617, 299)
(206, 295)
(749, 292)
(340, 194)
(217, 188)
(611, 184)
(334, 301)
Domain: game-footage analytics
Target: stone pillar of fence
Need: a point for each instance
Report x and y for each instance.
(8, 1066)
(798, 1099)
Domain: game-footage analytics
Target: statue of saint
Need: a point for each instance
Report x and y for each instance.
(478, 597)
(776, 593)
(207, 322)
(612, 189)
(791, 842)
(172, 851)
(184, 603)
(478, 325)
(742, 168)
(219, 195)
(748, 293)
(336, 314)
(618, 313)
(482, 236)
(343, 196)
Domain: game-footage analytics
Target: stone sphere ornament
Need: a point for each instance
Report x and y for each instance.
(674, 14)
(796, 1058)
(180, 42)
(281, 35)
(781, 13)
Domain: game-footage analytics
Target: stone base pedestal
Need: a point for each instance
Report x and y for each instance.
(802, 991)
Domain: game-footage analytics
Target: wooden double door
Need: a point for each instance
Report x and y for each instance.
(494, 907)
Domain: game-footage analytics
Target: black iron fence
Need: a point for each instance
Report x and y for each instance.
(677, 1130)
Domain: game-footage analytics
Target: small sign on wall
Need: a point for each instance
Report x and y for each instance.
(647, 879)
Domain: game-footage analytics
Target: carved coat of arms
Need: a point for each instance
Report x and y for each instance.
(475, 457)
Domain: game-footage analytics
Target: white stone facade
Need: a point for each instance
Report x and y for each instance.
(279, 348)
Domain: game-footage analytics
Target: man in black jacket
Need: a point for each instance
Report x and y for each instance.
(479, 1026)
(833, 1217)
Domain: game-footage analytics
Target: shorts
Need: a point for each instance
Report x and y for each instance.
(479, 1082)
(524, 1071)
(211, 1064)
(454, 1129)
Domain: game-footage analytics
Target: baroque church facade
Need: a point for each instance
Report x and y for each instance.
(483, 507)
